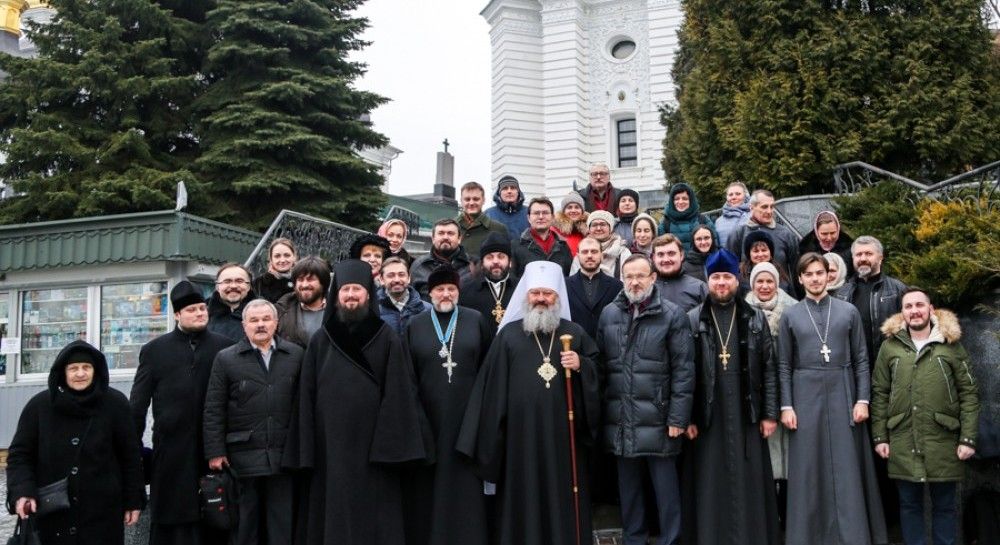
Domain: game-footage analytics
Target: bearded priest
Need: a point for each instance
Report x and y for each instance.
(517, 428)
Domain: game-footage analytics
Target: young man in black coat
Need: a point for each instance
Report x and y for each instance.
(173, 375)
(247, 412)
(590, 290)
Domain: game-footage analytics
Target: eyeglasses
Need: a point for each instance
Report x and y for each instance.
(541, 213)
(596, 174)
(232, 282)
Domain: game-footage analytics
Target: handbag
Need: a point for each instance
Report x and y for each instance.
(219, 498)
(25, 533)
(54, 497)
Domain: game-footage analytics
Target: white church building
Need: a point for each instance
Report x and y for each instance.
(577, 82)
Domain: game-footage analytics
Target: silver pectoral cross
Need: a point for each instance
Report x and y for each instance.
(826, 353)
(449, 365)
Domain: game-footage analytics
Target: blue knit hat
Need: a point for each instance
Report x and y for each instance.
(722, 261)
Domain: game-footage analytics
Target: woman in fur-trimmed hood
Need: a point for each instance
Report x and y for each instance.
(571, 221)
(924, 399)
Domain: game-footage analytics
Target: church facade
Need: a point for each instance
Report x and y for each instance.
(577, 82)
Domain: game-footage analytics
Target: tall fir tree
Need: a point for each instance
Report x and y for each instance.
(283, 120)
(777, 92)
(99, 122)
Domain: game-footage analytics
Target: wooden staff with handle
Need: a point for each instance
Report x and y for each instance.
(567, 340)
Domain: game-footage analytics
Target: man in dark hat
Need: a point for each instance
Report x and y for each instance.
(489, 291)
(732, 500)
(358, 416)
(509, 209)
(447, 346)
(173, 375)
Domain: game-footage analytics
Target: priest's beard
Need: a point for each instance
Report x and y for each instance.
(352, 316)
(539, 320)
(722, 300)
(636, 298)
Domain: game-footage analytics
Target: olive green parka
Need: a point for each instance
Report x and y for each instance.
(924, 404)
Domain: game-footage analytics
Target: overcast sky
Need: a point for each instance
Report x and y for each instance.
(432, 59)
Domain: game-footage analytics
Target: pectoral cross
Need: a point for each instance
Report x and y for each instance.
(449, 365)
(826, 353)
(547, 371)
(724, 357)
(498, 313)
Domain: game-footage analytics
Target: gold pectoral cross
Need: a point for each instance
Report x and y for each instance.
(546, 371)
(498, 312)
(724, 357)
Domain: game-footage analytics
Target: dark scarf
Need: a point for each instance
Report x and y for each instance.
(602, 203)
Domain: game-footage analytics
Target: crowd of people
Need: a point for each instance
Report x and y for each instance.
(536, 360)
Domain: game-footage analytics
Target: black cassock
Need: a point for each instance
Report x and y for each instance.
(444, 503)
(516, 431)
(358, 418)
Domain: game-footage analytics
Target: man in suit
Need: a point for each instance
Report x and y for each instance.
(590, 289)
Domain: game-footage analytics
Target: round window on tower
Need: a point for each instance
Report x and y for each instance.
(622, 49)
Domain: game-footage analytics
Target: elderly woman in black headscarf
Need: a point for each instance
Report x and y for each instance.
(79, 430)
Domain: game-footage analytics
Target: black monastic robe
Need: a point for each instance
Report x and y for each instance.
(517, 432)
(833, 495)
(443, 503)
(358, 419)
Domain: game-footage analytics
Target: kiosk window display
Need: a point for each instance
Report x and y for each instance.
(131, 316)
(4, 332)
(50, 319)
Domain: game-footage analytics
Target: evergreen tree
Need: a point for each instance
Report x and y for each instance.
(100, 122)
(777, 92)
(282, 120)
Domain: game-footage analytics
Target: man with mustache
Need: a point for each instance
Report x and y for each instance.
(516, 426)
(490, 290)
(647, 361)
(248, 407)
(923, 365)
(825, 386)
(876, 295)
(736, 410)
(300, 313)
(232, 293)
(358, 420)
(446, 248)
(447, 346)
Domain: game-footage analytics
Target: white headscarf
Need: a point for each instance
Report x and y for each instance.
(537, 274)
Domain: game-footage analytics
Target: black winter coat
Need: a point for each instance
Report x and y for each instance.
(173, 375)
(525, 250)
(649, 376)
(758, 363)
(885, 302)
(271, 287)
(424, 265)
(224, 320)
(247, 409)
(87, 437)
(581, 310)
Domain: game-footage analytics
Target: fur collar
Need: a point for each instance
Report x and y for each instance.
(566, 226)
(944, 326)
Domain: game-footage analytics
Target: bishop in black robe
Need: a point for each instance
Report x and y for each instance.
(516, 431)
(832, 489)
(444, 502)
(358, 420)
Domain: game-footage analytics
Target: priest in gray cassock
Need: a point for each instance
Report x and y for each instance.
(517, 425)
(833, 496)
(443, 503)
